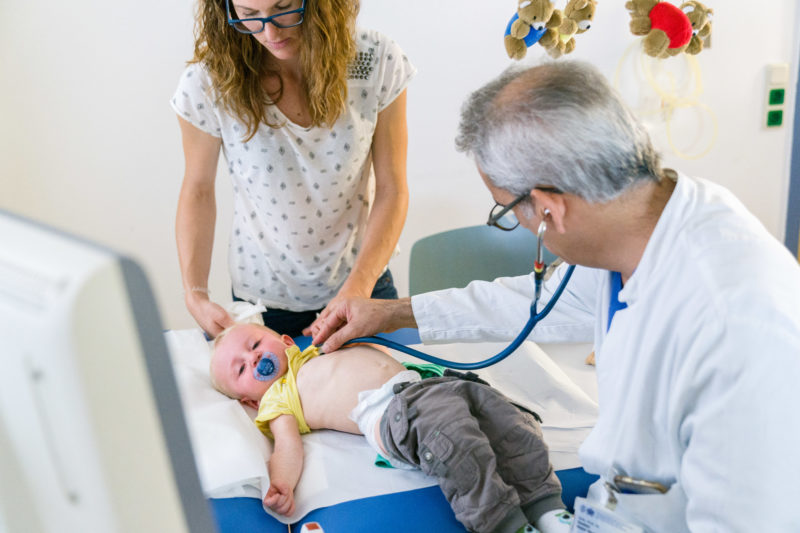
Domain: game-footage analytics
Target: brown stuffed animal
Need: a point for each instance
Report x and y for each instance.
(578, 15)
(666, 28)
(700, 17)
(539, 14)
(515, 48)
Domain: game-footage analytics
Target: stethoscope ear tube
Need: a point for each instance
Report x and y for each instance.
(511, 348)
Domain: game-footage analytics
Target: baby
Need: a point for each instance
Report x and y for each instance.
(488, 456)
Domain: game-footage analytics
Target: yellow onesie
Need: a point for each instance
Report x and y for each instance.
(282, 397)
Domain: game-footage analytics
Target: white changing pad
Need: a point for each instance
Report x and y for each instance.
(231, 453)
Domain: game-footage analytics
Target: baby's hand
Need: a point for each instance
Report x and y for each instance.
(280, 498)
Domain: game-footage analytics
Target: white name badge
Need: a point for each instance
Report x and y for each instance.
(591, 518)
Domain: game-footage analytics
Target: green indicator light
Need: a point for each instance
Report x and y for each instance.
(774, 118)
(776, 96)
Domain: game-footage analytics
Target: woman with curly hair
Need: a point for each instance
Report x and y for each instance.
(310, 114)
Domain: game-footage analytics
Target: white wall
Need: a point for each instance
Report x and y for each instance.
(90, 144)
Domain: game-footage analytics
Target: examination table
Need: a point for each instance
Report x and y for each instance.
(393, 501)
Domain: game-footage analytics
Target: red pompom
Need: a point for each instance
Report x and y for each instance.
(672, 21)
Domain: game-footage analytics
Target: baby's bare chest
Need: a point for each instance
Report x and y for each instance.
(329, 385)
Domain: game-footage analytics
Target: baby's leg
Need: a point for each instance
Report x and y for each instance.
(429, 424)
(522, 456)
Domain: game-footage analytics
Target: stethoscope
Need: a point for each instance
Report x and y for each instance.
(538, 270)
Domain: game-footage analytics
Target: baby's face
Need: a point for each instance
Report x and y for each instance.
(236, 358)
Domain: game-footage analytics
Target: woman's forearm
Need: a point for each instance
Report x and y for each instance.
(194, 232)
(382, 232)
(390, 205)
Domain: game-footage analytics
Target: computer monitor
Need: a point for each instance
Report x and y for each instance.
(92, 434)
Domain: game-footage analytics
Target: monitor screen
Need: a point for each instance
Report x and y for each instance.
(92, 433)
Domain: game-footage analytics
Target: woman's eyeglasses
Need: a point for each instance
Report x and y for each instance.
(287, 19)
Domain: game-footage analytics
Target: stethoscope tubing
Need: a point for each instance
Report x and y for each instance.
(511, 348)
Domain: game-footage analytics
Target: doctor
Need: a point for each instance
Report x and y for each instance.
(694, 308)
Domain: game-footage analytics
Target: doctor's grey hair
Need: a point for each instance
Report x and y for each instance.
(558, 124)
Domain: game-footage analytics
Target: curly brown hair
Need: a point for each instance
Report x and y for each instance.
(237, 63)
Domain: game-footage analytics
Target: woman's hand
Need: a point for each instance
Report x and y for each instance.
(210, 316)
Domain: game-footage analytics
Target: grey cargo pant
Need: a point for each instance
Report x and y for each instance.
(488, 456)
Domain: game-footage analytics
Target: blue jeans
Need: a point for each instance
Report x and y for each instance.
(292, 323)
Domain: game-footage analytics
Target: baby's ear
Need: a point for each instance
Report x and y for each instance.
(249, 402)
(287, 340)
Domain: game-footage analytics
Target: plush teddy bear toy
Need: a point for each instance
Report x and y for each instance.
(666, 28)
(578, 15)
(700, 17)
(535, 15)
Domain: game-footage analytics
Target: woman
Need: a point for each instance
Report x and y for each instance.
(310, 115)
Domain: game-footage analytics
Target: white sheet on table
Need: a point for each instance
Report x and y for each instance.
(231, 453)
(528, 376)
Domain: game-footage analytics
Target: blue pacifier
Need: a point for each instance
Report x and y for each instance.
(267, 366)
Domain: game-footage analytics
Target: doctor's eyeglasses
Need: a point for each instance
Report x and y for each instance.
(498, 218)
(286, 19)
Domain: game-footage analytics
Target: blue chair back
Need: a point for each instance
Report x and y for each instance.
(456, 257)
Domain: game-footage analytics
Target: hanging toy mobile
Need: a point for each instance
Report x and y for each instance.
(577, 18)
(669, 30)
(533, 19)
(539, 21)
(700, 16)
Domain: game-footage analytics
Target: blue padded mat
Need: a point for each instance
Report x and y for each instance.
(234, 515)
(402, 512)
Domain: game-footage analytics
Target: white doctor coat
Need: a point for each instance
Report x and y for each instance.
(698, 377)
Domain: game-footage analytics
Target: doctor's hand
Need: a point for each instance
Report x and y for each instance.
(209, 316)
(359, 317)
(280, 498)
(348, 292)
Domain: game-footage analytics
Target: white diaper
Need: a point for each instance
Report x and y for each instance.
(371, 406)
